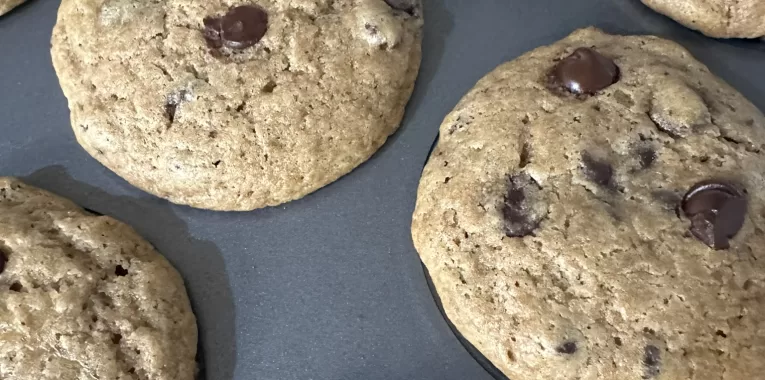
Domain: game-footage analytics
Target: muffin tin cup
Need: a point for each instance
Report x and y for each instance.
(329, 286)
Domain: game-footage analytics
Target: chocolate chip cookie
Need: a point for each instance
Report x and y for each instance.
(82, 296)
(235, 106)
(716, 18)
(594, 209)
(7, 5)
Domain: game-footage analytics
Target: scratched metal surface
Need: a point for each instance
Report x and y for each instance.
(327, 287)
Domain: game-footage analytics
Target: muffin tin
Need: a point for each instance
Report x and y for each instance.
(329, 286)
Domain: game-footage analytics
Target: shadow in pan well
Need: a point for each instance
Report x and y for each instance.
(438, 25)
(199, 262)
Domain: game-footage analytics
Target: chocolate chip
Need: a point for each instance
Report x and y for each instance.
(240, 28)
(717, 210)
(585, 71)
(523, 208)
(651, 361)
(407, 6)
(597, 171)
(120, 271)
(566, 348)
(647, 156)
(3, 260)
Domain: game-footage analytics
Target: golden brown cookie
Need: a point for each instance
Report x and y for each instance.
(84, 297)
(716, 18)
(7, 5)
(594, 209)
(235, 106)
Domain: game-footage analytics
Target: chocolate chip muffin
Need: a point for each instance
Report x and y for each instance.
(82, 296)
(235, 105)
(7, 5)
(716, 18)
(594, 209)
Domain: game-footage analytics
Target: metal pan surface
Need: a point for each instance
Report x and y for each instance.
(329, 286)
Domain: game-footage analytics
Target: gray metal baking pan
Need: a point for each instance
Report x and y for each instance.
(328, 287)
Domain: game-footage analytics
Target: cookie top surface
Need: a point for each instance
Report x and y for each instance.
(84, 297)
(235, 106)
(716, 18)
(594, 210)
(7, 5)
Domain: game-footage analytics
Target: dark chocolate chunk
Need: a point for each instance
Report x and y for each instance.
(717, 210)
(244, 26)
(407, 6)
(597, 171)
(522, 210)
(647, 156)
(651, 361)
(120, 271)
(240, 28)
(566, 348)
(3, 260)
(584, 72)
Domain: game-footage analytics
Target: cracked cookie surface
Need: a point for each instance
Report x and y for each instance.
(716, 18)
(594, 210)
(84, 297)
(235, 105)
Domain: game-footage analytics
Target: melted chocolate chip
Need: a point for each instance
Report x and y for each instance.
(647, 156)
(403, 5)
(240, 28)
(717, 211)
(597, 171)
(522, 211)
(651, 361)
(566, 348)
(3, 260)
(584, 72)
